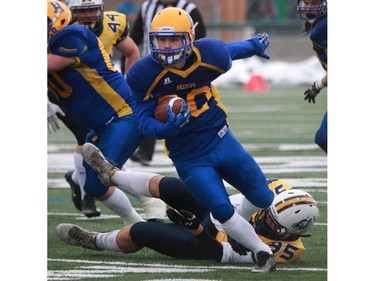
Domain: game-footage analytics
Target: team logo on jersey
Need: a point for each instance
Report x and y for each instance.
(186, 86)
(167, 81)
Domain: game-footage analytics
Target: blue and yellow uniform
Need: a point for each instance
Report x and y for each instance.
(318, 37)
(112, 30)
(204, 150)
(94, 92)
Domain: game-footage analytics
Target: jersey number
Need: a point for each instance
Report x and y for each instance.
(198, 100)
(287, 253)
(113, 25)
(58, 87)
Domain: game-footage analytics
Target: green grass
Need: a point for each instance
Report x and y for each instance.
(264, 123)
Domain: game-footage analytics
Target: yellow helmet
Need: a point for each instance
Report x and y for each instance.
(58, 16)
(172, 22)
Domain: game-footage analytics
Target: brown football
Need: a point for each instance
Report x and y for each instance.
(160, 112)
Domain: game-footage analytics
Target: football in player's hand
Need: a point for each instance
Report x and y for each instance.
(160, 112)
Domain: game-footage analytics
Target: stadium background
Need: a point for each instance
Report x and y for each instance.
(230, 20)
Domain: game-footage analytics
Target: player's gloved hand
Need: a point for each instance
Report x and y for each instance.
(52, 111)
(180, 119)
(261, 43)
(237, 247)
(313, 90)
(183, 218)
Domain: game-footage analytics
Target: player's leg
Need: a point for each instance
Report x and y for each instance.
(169, 189)
(119, 140)
(207, 187)
(76, 177)
(321, 138)
(145, 151)
(240, 170)
(169, 239)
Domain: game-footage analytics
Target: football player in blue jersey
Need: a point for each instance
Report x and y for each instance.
(198, 140)
(87, 85)
(112, 29)
(281, 226)
(314, 13)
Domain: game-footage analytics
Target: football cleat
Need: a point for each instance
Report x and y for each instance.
(89, 208)
(265, 262)
(75, 235)
(76, 191)
(93, 156)
(137, 157)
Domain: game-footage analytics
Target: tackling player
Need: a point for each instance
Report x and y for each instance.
(314, 13)
(281, 226)
(199, 140)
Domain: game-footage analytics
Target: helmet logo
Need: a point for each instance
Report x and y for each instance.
(303, 223)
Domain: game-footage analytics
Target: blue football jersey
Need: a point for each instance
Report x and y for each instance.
(192, 83)
(92, 89)
(318, 36)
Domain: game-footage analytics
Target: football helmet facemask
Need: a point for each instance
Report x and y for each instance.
(94, 7)
(311, 10)
(172, 22)
(58, 17)
(292, 212)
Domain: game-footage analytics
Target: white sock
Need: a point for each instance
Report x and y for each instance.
(247, 209)
(230, 256)
(120, 205)
(79, 174)
(107, 241)
(154, 208)
(243, 232)
(134, 183)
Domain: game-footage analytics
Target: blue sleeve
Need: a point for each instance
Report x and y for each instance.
(68, 44)
(147, 124)
(242, 49)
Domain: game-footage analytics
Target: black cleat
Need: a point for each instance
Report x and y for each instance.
(89, 208)
(76, 191)
(137, 157)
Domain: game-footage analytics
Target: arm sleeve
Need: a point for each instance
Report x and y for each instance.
(241, 49)
(147, 124)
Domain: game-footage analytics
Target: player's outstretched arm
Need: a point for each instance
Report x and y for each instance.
(248, 48)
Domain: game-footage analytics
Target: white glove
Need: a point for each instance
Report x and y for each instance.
(52, 110)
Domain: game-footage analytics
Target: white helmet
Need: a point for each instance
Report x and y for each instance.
(293, 211)
(91, 22)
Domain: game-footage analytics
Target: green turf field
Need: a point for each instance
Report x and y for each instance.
(278, 129)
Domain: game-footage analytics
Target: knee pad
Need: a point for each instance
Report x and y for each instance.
(223, 212)
(171, 189)
(140, 233)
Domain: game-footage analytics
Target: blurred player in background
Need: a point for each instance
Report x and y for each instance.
(281, 226)
(198, 140)
(112, 29)
(139, 33)
(314, 13)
